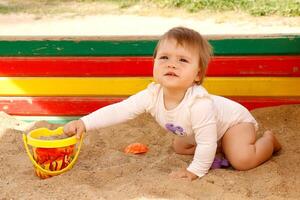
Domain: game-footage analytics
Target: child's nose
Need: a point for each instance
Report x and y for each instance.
(171, 64)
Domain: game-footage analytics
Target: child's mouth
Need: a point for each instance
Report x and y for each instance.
(171, 74)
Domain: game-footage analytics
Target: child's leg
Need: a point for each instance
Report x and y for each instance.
(183, 145)
(243, 150)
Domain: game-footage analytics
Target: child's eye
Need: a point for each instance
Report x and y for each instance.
(163, 57)
(183, 60)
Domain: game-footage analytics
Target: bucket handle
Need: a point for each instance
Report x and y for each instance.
(48, 172)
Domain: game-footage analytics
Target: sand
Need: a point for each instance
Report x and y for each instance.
(103, 171)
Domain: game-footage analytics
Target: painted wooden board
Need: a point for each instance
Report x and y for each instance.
(71, 86)
(280, 45)
(77, 106)
(255, 66)
(50, 119)
(260, 102)
(54, 106)
(76, 66)
(118, 86)
(142, 66)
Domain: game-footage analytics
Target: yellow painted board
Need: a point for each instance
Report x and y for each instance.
(118, 86)
(74, 86)
(253, 86)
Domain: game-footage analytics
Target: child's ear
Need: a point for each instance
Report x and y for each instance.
(197, 79)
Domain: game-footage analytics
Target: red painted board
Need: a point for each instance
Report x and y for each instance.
(260, 102)
(74, 106)
(255, 66)
(53, 106)
(142, 66)
(76, 66)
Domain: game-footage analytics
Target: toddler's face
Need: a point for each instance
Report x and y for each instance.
(176, 66)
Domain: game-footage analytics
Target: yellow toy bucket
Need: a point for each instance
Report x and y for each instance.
(51, 157)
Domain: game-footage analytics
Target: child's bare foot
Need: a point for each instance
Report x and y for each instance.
(276, 144)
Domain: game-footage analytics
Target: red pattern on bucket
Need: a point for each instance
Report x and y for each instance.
(52, 159)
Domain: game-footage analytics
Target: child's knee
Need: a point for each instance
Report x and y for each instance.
(177, 147)
(181, 147)
(242, 162)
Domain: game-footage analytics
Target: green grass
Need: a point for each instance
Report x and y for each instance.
(6, 9)
(254, 7)
(288, 8)
(49, 7)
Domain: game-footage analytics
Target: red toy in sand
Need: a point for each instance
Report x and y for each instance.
(136, 148)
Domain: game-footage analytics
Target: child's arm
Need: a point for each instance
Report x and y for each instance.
(205, 151)
(118, 112)
(203, 156)
(204, 125)
(112, 114)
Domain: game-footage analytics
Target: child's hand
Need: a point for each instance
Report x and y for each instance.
(74, 127)
(183, 173)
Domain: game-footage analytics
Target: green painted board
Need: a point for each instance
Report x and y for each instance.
(76, 48)
(258, 46)
(284, 45)
(50, 119)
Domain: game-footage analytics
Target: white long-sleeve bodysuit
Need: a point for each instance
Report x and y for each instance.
(201, 118)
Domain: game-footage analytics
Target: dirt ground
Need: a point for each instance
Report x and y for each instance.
(103, 171)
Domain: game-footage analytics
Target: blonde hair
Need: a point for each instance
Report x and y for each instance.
(193, 39)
